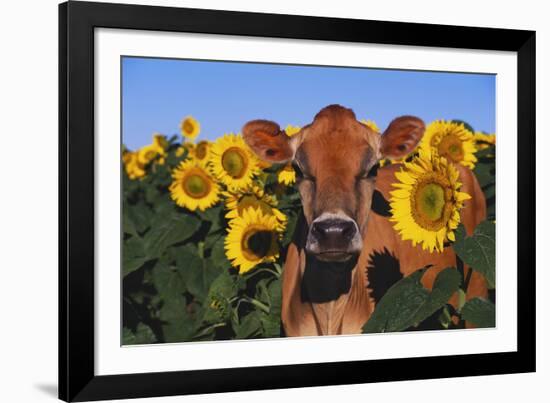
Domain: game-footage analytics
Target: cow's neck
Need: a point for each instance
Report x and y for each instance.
(326, 286)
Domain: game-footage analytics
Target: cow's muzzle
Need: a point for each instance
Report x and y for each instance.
(333, 237)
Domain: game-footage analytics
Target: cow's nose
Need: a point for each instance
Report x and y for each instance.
(327, 230)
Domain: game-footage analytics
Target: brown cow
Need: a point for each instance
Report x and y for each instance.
(340, 244)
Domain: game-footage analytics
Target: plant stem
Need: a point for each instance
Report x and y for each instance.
(257, 303)
(204, 332)
(264, 269)
(200, 248)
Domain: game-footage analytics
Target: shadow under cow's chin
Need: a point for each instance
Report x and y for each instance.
(325, 281)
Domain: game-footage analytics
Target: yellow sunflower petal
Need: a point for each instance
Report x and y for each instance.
(287, 175)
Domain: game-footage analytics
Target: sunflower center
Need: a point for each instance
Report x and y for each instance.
(196, 186)
(188, 127)
(234, 162)
(201, 150)
(430, 200)
(257, 244)
(431, 203)
(451, 147)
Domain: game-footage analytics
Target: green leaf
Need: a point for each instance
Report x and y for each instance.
(407, 303)
(169, 231)
(218, 304)
(485, 173)
(445, 285)
(198, 273)
(489, 191)
(128, 226)
(178, 324)
(292, 219)
(213, 238)
(224, 286)
(215, 215)
(248, 326)
(181, 320)
(276, 296)
(478, 251)
(218, 255)
(201, 277)
(271, 323)
(136, 218)
(133, 255)
(480, 312)
(487, 154)
(142, 335)
(168, 281)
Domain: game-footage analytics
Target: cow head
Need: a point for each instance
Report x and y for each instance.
(335, 159)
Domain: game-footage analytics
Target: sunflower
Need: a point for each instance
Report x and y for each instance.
(161, 144)
(287, 175)
(256, 198)
(371, 124)
(193, 187)
(147, 153)
(134, 169)
(160, 141)
(426, 204)
(232, 162)
(483, 140)
(189, 127)
(252, 239)
(127, 157)
(451, 140)
(291, 130)
(201, 151)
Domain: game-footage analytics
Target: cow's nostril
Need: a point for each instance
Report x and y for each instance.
(348, 229)
(318, 229)
(334, 228)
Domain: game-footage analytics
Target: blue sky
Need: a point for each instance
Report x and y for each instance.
(223, 96)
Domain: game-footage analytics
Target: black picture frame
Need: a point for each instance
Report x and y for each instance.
(77, 21)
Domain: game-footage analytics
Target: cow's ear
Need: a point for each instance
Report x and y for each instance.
(401, 137)
(268, 141)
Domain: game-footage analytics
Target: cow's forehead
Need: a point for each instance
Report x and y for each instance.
(342, 144)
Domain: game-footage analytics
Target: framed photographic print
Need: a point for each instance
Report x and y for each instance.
(259, 201)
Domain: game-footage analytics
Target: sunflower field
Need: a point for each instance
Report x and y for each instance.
(206, 226)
